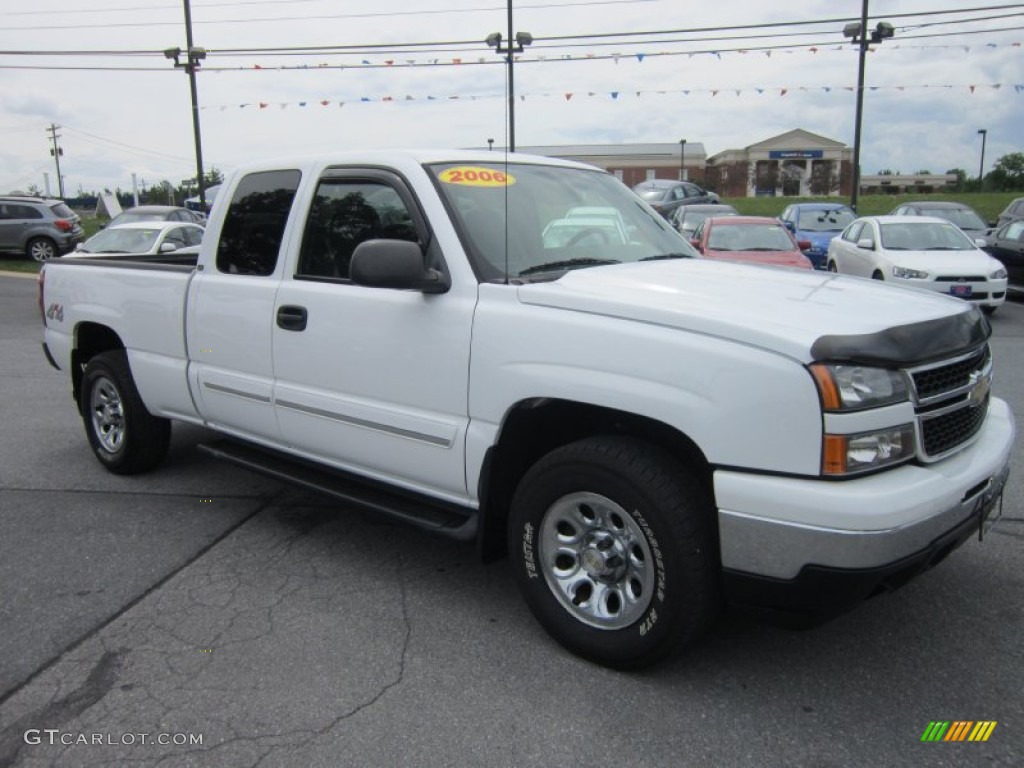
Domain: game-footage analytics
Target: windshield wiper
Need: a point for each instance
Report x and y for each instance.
(567, 264)
(661, 256)
(944, 248)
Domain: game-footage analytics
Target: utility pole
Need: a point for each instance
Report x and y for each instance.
(191, 64)
(56, 152)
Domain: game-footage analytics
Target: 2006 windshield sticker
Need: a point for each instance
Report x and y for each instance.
(476, 177)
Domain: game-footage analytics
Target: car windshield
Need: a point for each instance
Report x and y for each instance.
(825, 221)
(749, 237)
(537, 221)
(924, 236)
(962, 217)
(122, 241)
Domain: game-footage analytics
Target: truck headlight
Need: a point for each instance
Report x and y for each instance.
(909, 274)
(866, 451)
(854, 387)
(999, 274)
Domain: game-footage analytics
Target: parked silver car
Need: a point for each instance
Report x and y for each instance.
(38, 227)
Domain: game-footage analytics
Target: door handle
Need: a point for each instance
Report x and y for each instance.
(292, 318)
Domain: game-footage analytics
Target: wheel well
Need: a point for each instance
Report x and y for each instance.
(91, 339)
(534, 428)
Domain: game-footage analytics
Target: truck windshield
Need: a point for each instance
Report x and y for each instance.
(535, 222)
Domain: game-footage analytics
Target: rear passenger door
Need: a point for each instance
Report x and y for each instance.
(231, 308)
(373, 380)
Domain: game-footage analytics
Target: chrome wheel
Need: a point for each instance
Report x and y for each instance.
(596, 560)
(107, 414)
(42, 249)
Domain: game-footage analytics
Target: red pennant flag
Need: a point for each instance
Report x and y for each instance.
(568, 96)
(971, 87)
(783, 92)
(324, 102)
(263, 105)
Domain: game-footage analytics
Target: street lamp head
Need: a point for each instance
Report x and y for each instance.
(172, 53)
(852, 30)
(494, 39)
(983, 130)
(882, 31)
(523, 39)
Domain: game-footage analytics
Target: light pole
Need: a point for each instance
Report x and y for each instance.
(857, 32)
(522, 39)
(193, 56)
(682, 159)
(981, 165)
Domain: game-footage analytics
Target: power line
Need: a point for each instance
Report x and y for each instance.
(322, 17)
(474, 45)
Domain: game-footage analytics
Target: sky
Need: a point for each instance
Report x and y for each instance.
(124, 109)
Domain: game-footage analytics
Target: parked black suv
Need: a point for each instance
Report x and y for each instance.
(39, 228)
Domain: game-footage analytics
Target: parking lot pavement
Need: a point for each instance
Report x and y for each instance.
(279, 630)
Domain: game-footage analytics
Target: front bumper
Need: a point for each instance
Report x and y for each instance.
(815, 548)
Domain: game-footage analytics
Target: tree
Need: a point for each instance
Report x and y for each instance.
(961, 179)
(1007, 173)
(824, 179)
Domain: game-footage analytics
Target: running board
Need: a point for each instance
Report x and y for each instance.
(449, 520)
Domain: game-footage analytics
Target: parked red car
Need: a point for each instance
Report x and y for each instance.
(755, 239)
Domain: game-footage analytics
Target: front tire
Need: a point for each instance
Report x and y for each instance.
(614, 552)
(126, 438)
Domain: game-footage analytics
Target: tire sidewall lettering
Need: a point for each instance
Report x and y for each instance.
(659, 559)
(529, 556)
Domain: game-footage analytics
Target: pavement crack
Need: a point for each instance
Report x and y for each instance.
(101, 679)
(6, 695)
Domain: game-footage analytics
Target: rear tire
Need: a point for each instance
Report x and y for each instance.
(877, 275)
(833, 268)
(126, 438)
(41, 249)
(989, 310)
(613, 548)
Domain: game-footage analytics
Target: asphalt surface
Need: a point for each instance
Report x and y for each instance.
(203, 601)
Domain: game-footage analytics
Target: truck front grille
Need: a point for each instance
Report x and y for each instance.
(941, 434)
(951, 401)
(945, 377)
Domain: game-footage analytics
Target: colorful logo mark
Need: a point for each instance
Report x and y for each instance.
(958, 730)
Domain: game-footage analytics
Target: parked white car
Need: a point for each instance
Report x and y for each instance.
(144, 237)
(920, 252)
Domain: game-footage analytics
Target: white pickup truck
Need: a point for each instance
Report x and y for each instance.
(444, 338)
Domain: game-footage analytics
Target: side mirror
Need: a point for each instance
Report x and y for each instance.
(790, 226)
(80, 247)
(167, 247)
(394, 264)
(696, 244)
(981, 242)
(866, 243)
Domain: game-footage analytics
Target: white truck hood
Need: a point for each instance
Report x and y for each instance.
(805, 315)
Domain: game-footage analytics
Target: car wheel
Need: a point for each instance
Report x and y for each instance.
(877, 275)
(613, 550)
(41, 249)
(125, 437)
(832, 267)
(989, 310)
